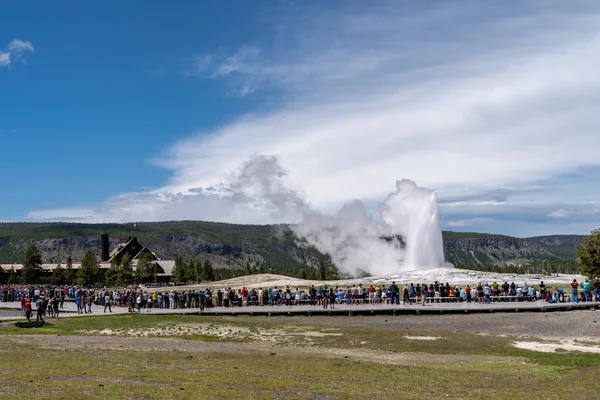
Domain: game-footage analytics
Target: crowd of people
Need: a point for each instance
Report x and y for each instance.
(49, 300)
(482, 292)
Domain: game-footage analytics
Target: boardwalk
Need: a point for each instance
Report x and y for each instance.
(340, 310)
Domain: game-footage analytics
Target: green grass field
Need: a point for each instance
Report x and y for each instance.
(162, 357)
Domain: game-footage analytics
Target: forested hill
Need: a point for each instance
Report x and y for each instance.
(269, 246)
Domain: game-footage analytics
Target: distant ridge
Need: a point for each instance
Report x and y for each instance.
(273, 247)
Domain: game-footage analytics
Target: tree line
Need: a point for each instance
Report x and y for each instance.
(89, 274)
(122, 273)
(543, 267)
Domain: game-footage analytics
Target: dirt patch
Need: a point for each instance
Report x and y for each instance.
(423, 337)
(182, 347)
(563, 346)
(225, 332)
(559, 325)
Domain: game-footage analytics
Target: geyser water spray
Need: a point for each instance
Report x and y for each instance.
(412, 213)
(405, 235)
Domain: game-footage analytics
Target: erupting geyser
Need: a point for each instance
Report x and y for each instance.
(406, 235)
(412, 213)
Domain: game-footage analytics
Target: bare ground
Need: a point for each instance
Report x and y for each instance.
(103, 343)
(581, 325)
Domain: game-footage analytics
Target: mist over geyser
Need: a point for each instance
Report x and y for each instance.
(403, 234)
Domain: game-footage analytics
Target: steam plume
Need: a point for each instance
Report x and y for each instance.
(406, 236)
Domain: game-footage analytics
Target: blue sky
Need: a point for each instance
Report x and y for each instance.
(131, 111)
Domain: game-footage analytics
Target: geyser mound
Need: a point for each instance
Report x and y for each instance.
(403, 235)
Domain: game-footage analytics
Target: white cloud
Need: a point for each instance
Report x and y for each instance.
(469, 95)
(558, 213)
(15, 51)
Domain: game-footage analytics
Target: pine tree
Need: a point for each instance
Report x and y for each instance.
(190, 271)
(179, 270)
(144, 271)
(124, 271)
(198, 271)
(70, 273)
(110, 275)
(89, 273)
(588, 254)
(12, 277)
(209, 272)
(3, 275)
(32, 265)
(322, 271)
(333, 273)
(58, 276)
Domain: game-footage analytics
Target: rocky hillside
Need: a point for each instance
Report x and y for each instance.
(271, 246)
(483, 249)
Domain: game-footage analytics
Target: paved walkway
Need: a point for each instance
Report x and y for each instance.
(70, 309)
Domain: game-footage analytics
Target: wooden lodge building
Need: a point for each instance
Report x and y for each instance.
(131, 246)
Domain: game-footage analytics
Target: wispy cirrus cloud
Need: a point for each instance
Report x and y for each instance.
(237, 69)
(15, 52)
(490, 104)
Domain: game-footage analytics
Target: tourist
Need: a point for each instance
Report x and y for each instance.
(395, 295)
(496, 289)
(468, 293)
(89, 300)
(78, 304)
(28, 309)
(107, 302)
(542, 290)
(574, 291)
(23, 301)
(587, 294)
(55, 306)
(487, 291)
(531, 295)
(331, 298)
(39, 304)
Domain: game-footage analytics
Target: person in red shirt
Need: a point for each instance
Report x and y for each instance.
(28, 309)
(22, 305)
(574, 291)
(468, 291)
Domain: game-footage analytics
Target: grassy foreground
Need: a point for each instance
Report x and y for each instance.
(208, 357)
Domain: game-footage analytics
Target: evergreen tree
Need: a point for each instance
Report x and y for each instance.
(89, 273)
(124, 271)
(70, 273)
(190, 271)
(588, 254)
(3, 275)
(111, 274)
(322, 271)
(179, 270)
(209, 272)
(32, 265)
(248, 268)
(333, 273)
(144, 271)
(12, 277)
(198, 270)
(58, 276)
